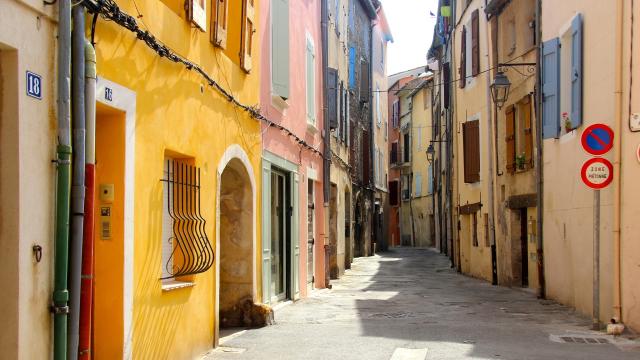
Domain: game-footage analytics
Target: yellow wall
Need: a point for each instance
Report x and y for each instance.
(174, 114)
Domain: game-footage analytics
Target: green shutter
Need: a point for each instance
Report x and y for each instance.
(280, 48)
(266, 231)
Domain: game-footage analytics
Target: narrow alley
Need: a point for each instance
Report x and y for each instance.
(411, 299)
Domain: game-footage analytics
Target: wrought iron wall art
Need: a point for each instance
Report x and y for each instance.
(192, 252)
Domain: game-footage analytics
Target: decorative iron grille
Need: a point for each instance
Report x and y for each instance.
(191, 251)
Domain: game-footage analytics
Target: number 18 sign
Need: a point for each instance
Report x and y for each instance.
(34, 85)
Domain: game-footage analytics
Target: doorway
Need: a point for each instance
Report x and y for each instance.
(333, 233)
(280, 236)
(236, 243)
(348, 243)
(310, 235)
(524, 251)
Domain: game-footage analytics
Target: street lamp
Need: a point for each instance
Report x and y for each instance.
(430, 153)
(500, 89)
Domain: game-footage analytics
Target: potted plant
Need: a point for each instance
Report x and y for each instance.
(568, 126)
(520, 161)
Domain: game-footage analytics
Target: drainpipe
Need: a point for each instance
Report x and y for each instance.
(86, 289)
(60, 307)
(617, 164)
(77, 183)
(326, 173)
(372, 147)
(539, 163)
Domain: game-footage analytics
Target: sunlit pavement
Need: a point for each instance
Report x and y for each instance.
(408, 304)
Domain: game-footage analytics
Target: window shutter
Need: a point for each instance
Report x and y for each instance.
(463, 58)
(510, 139)
(280, 48)
(528, 131)
(551, 89)
(394, 153)
(418, 182)
(311, 111)
(430, 179)
(576, 71)
(366, 158)
(364, 81)
(352, 147)
(471, 145)
(475, 43)
(198, 13)
(248, 28)
(345, 112)
(446, 69)
(352, 67)
(332, 98)
(220, 22)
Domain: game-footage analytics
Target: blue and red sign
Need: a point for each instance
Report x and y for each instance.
(597, 139)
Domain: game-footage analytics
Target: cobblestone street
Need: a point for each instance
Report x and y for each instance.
(409, 304)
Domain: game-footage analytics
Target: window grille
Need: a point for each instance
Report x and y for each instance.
(186, 249)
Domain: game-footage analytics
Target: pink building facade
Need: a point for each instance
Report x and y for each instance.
(293, 222)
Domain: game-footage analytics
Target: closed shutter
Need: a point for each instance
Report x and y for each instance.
(475, 43)
(528, 131)
(418, 182)
(430, 179)
(310, 80)
(394, 153)
(345, 110)
(551, 89)
(364, 81)
(463, 58)
(366, 158)
(510, 139)
(248, 28)
(446, 70)
(576, 71)
(393, 193)
(471, 144)
(341, 105)
(352, 67)
(220, 22)
(280, 48)
(198, 14)
(332, 97)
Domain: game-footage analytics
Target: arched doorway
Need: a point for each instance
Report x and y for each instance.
(235, 243)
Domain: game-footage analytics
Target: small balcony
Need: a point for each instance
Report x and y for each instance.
(399, 157)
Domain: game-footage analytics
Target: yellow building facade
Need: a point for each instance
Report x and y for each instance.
(163, 122)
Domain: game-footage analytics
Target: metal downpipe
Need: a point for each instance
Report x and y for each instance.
(60, 298)
(326, 136)
(77, 184)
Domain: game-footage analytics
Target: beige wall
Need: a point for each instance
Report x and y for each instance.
(472, 103)
(27, 134)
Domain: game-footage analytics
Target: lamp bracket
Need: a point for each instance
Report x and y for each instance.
(530, 68)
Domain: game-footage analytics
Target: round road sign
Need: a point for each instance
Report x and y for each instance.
(597, 173)
(597, 139)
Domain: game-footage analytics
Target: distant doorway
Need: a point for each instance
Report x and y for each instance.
(524, 251)
(348, 243)
(280, 237)
(311, 222)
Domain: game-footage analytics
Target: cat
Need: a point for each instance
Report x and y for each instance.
(248, 314)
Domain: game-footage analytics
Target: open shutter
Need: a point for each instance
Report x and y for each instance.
(364, 81)
(475, 43)
(352, 67)
(576, 71)
(198, 14)
(332, 98)
(280, 48)
(446, 71)
(463, 58)
(551, 89)
(528, 131)
(266, 231)
(219, 26)
(510, 139)
(248, 28)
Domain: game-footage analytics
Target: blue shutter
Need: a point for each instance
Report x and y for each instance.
(352, 67)
(576, 71)
(332, 97)
(551, 89)
(430, 179)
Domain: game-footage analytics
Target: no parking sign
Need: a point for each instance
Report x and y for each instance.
(597, 139)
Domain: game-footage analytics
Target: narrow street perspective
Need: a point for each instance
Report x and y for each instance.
(409, 304)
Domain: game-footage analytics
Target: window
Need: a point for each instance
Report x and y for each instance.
(280, 48)
(471, 144)
(419, 142)
(407, 148)
(395, 114)
(248, 29)
(197, 13)
(394, 152)
(405, 188)
(394, 199)
(418, 183)
(562, 81)
(311, 81)
(332, 97)
(352, 67)
(425, 97)
(378, 112)
(475, 43)
(470, 49)
(364, 81)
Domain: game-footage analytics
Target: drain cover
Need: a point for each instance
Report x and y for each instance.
(583, 340)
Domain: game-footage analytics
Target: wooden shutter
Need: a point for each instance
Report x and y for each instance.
(446, 70)
(510, 139)
(471, 145)
(364, 81)
(332, 97)
(528, 131)
(366, 158)
(576, 71)
(463, 58)
(198, 14)
(280, 48)
(551, 89)
(219, 23)
(248, 28)
(475, 43)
